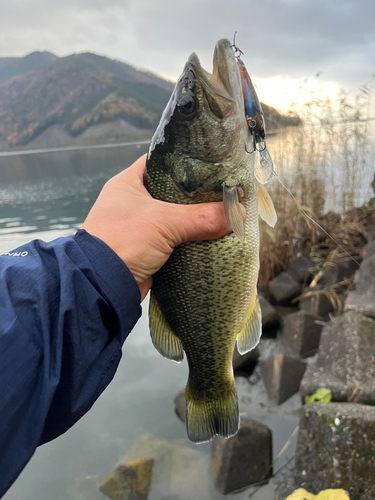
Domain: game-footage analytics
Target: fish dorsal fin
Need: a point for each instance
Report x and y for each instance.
(164, 340)
(266, 208)
(233, 211)
(249, 336)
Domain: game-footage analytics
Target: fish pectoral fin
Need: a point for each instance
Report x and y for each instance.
(233, 211)
(266, 208)
(165, 341)
(249, 336)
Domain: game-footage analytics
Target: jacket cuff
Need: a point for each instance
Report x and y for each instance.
(116, 281)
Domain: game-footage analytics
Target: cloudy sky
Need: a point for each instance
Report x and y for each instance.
(286, 42)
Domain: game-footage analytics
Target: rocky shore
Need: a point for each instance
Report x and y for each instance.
(308, 344)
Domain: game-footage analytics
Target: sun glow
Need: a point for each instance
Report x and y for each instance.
(289, 94)
(284, 93)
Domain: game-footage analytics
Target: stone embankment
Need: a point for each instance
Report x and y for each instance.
(336, 441)
(304, 347)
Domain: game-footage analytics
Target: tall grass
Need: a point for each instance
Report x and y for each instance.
(328, 163)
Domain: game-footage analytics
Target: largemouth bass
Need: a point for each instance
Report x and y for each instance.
(204, 298)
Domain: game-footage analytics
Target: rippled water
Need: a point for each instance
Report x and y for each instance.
(46, 196)
(49, 194)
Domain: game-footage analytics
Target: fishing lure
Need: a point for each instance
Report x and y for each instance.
(264, 168)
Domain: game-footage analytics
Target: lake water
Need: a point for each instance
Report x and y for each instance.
(48, 195)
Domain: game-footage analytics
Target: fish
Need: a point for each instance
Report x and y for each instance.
(204, 299)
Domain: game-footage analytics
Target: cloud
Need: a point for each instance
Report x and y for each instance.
(294, 38)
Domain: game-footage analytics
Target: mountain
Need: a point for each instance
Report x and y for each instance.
(11, 66)
(48, 101)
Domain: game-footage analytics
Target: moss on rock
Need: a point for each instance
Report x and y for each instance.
(130, 481)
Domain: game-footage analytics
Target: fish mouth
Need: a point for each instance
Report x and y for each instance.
(224, 79)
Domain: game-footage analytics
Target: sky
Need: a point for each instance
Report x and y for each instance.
(293, 49)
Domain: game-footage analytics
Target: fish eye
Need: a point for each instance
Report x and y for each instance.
(187, 105)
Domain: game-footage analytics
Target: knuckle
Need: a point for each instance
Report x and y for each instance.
(209, 218)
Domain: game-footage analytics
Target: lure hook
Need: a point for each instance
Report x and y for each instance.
(236, 51)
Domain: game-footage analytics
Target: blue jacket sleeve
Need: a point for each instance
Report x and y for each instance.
(66, 308)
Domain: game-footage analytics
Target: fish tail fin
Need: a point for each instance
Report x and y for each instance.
(207, 418)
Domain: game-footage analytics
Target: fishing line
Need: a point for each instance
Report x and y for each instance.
(260, 483)
(321, 228)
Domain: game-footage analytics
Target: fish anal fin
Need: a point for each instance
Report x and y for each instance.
(165, 341)
(249, 336)
(266, 208)
(207, 418)
(233, 211)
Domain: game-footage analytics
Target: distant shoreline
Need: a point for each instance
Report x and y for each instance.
(70, 148)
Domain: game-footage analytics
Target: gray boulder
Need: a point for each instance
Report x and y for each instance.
(338, 271)
(345, 361)
(283, 311)
(282, 376)
(284, 288)
(269, 314)
(299, 269)
(317, 303)
(335, 449)
(241, 362)
(301, 333)
(362, 300)
(243, 459)
(369, 250)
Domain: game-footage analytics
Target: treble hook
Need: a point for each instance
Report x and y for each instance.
(237, 52)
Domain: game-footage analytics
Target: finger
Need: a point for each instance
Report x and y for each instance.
(205, 221)
(135, 171)
(138, 168)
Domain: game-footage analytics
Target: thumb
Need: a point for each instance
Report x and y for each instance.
(204, 221)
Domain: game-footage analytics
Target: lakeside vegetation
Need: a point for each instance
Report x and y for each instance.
(328, 164)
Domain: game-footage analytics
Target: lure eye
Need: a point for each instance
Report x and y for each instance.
(187, 105)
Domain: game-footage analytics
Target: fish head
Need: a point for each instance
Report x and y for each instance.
(203, 130)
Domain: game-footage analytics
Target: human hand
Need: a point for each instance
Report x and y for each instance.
(143, 231)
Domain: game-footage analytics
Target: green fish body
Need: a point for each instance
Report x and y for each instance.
(204, 298)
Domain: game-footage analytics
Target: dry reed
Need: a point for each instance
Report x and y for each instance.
(327, 162)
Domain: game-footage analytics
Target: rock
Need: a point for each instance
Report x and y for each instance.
(243, 459)
(283, 288)
(370, 233)
(335, 449)
(362, 300)
(369, 250)
(241, 362)
(175, 466)
(130, 481)
(301, 332)
(180, 405)
(269, 314)
(338, 271)
(282, 376)
(345, 361)
(271, 347)
(317, 303)
(299, 269)
(283, 311)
